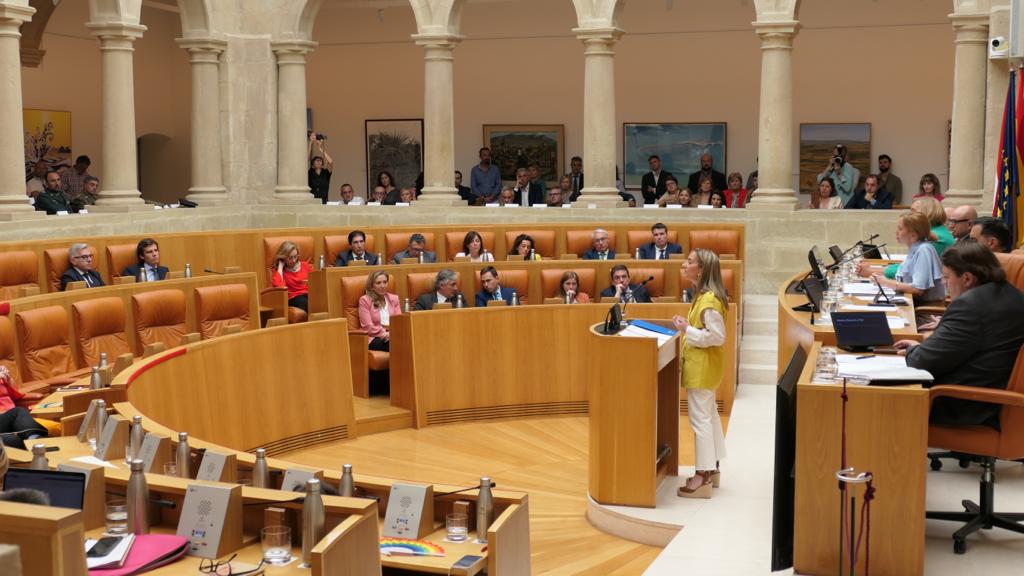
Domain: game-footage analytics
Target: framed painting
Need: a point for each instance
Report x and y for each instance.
(47, 139)
(818, 143)
(515, 146)
(679, 145)
(395, 147)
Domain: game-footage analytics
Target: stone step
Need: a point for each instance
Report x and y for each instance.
(759, 349)
(760, 327)
(757, 374)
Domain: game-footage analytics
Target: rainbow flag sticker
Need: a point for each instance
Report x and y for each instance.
(406, 547)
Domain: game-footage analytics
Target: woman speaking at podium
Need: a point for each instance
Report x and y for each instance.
(703, 366)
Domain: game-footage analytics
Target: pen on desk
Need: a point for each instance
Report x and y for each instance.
(865, 356)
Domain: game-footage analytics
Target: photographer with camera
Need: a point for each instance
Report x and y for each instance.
(320, 166)
(842, 173)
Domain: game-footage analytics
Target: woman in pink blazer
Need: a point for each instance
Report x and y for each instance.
(376, 308)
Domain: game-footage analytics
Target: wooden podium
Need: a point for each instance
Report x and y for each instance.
(634, 416)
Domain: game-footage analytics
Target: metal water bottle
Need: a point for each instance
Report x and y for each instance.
(420, 257)
(568, 298)
(39, 460)
(135, 438)
(323, 263)
(188, 270)
(142, 274)
(95, 381)
(531, 254)
(260, 472)
(515, 298)
(405, 306)
(636, 255)
(138, 499)
(484, 509)
(103, 360)
(101, 418)
(347, 486)
(686, 297)
(458, 301)
(312, 520)
(183, 456)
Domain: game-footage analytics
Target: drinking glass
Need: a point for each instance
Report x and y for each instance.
(171, 469)
(117, 516)
(277, 544)
(457, 525)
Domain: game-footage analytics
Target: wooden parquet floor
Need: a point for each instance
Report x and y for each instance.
(545, 457)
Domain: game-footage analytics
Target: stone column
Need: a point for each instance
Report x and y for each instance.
(207, 181)
(599, 128)
(438, 119)
(13, 202)
(292, 161)
(967, 146)
(775, 129)
(119, 183)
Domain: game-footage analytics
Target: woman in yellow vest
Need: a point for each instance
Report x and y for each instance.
(703, 366)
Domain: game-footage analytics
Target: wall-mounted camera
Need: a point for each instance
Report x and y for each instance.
(998, 48)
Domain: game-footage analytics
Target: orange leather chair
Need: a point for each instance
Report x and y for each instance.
(55, 262)
(363, 359)
(395, 242)
(271, 296)
(334, 245)
(543, 241)
(1013, 265)
(984, 444)
(100, 327)
(453, 242)
(549, 279)
(518, 280)
(159, 317)
(17, 270)
(656, 287)
(637, 238)
(119, 257)
(45, 352)
(418, 283)
(218, 307)
(9, 361)
(579, 241)
(725, 243)
(727, 278)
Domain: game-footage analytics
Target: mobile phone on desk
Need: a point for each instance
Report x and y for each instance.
(103, 546)
(468, 564)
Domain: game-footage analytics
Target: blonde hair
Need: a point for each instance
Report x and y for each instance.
(931, 208)
(376, 299)
(710, 277)
(917, 223)
(284, 250)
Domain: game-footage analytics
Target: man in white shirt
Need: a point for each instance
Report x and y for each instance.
(37, 182)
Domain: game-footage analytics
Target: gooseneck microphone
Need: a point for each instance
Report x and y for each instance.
(629, 293)
(208, 271)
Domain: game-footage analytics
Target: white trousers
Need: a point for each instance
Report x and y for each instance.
(707, 427)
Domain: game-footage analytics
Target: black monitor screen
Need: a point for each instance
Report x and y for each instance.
(814, 259)
(785, 462)
(65, 489)
(861, 329)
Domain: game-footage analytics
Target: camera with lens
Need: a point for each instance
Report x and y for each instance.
(320, 136)
(837, 160)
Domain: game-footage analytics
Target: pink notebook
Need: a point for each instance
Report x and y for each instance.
(149, 551)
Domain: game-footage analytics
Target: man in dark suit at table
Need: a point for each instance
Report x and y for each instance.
(599, 246)
(660, 248)
(533, 190)
(357, 251)
(81, 258)
(707, 170)
(653, 184)
(978, 338)
(417, 246)
(148, 268)
(446, 289)
(622, 289)
(491, 288)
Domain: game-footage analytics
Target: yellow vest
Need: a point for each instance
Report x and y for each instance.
(703, 367)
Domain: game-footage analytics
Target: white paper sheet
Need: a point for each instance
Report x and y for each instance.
(638, 332)
(879, 367)
(864, 289)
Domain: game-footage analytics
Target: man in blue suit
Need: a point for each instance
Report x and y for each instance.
(357, 251)
(491, 288)
(660, 248)
(148, 254)
(599, 249)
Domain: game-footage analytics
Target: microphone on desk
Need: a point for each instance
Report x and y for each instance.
(835, 265)
(629, 294)
(208, 271)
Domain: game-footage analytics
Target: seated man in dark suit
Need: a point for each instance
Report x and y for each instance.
(622, 289)
(416, 249)
(446, 289)
(978, 338)
(356, 250)
(599, 249)
(81, 258)
(660, 248)
(491, 288)
(870, 197)
(533, 190)
(464, 191)
(148, 268)
(992, 232)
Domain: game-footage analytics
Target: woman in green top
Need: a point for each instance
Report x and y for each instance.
(931, 208)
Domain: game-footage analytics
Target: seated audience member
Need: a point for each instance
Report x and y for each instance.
(627, 198)
(599, 246)
(534, 194)
(348, 196)
(659, 248)
(357, 251)
(87, 197)
(378, 195)
(622, 289)
(717, 199)
(473, 248)
(148, 268)
(751, 185)
(465, 193)
(569, 289)
(81, 270)
(977, 339)
(507, 197)
(736, 195)
(387, 181)
(826, 197)
(930, 188)
(37, 182)
(718, 181)
(921, 273)
(16, 423)
(376, 307)
(406, 196)
(959, 221)
(565, 187)
(704, 189)
(870, 197)
(490, 288)
(416, 249)
(992, 233)
(555, 198)
(292, 272)
(523, 246)
(446, 289)
(51, 200)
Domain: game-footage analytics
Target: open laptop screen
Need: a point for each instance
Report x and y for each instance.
(859, 330)
(65, 489)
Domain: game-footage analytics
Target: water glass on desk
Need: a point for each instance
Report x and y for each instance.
(117, 516)
(277, 544)
(457, 525)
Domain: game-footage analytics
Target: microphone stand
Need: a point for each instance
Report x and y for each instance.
(629, 293)
(836, 265)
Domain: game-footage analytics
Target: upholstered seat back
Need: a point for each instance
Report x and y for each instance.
(218, 307)
(352, 289)
(17, 270)
(55, 262)
(395, 242)
(727, 278)
(518, 280)
(637, 238)
(99, 327)
(1011, 418)
(334, 245)
(579, 241)
(119, 257)
(272, 243)
(550, 278)
(43, 335)
(159, 317)
(7, 359)
(453, 242)
(1013, 264)
(418, 283)
(721, 242)
(655, 287)
(543, 241)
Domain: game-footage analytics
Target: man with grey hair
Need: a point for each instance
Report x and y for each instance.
(599, 249)
(81, 258)
(446, 289)
(416, 249)
(959, 221)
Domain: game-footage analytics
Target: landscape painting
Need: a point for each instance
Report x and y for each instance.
(47, 138)
(395, 146)
(518, 146)
(679, 145)
(818, 143)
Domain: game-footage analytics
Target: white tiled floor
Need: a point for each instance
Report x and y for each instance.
(731, 533)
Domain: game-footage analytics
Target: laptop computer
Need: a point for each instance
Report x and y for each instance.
(862, 331)
(65, 489)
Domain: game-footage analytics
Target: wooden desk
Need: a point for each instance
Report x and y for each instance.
(886, 434)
